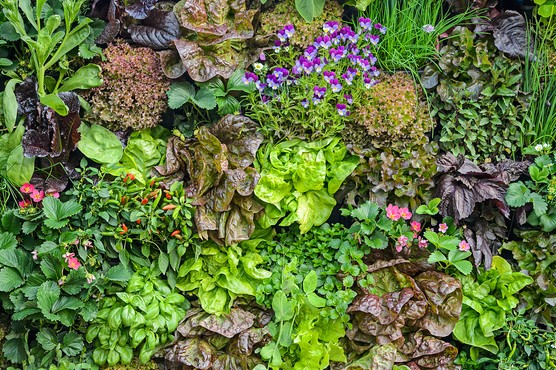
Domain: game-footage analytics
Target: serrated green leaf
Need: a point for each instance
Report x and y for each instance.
(47, 339)
(72, 344)
(539, 204)
(518, 194)
(436, 256)
(7, 241)
(205, 98)
(118, 273)
(47, 295)
(465, 267)
(9, 279)
(179, 94)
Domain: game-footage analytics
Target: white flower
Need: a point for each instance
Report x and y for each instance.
(539, 147)
(428, 28)
(258, 66)
(546, 146)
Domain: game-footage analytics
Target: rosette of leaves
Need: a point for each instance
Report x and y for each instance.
(488, 298)
(133, 94)
(284, 12)
(536, 195)
(299, 179)
(409, 307)
(219, 275)
(392, 176)
(392, 116)
(217, 166)
(208, 341)
(217, 37)
(476, 99)
(474, 195)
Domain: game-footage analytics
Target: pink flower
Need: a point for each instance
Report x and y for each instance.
(27, 188)
(399, 248)
(90, 278)
(402, 240)
(61, 282)
(73, 263)
(422, 242)
(37, 196)
(35, 254)
(442, 228)
(393, 212)
(68, 255)
(87, 244)
(416, 226)
(405, 214)
(24, 203)
(54, 195)
(464, 246)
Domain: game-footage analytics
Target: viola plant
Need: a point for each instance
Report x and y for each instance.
(310, 93)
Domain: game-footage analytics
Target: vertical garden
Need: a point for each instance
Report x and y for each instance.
(277, 184)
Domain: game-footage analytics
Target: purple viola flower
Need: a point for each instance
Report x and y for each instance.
(277, 46)
(319, 64)
(311, 52)
(260, 86)
(345, 32)
(305, 103)
(353, 37)
(374, 39)
(353, 49)
(335, 85)
(262, 56)
(249, 77)
(328, 76)
(337, 54)
(364, 64)
(335, 38)
(348, 79)
(342, 110)
(330, 27)
(289, 30)
(323, 42)
(374, 72)
(307, 66)
(282, 36)
(354, 59)
(365, 23)
(352, 71)
(297, 69)
(372, 59)
(380, 28)
(428, 28)
(318, 92)
(349, 99)
(369, 82)
(273, 82)
(265, 98)
(280, 73)
(366, 51)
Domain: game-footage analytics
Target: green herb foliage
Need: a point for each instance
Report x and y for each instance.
(143, 317)
(475, 95)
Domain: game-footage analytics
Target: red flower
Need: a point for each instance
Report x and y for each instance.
(27, 188)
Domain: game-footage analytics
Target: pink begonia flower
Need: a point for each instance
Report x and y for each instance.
(405, 214)
(37, 196)
(464, 246)
(27, 188)
(73, 263)
(416, 226)
(442, 228)
(393, 212)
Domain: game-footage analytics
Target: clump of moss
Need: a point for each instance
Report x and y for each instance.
(133, 94)
(305, 33)
(391, 117)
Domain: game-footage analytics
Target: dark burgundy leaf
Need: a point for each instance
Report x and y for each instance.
(157, 30)
(140, 9)
(113, 27)
(171, 64)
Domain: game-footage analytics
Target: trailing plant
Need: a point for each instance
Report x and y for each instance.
(488, 298)
(298, 180)
(283, 12)
(310, 93)
(205, 341)
(141, 318)
(218, 275)
(414, 28)
(216, 164)
(49, 43)
(537, 194)
(475, 196)
(133, 92)
(475, 95)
